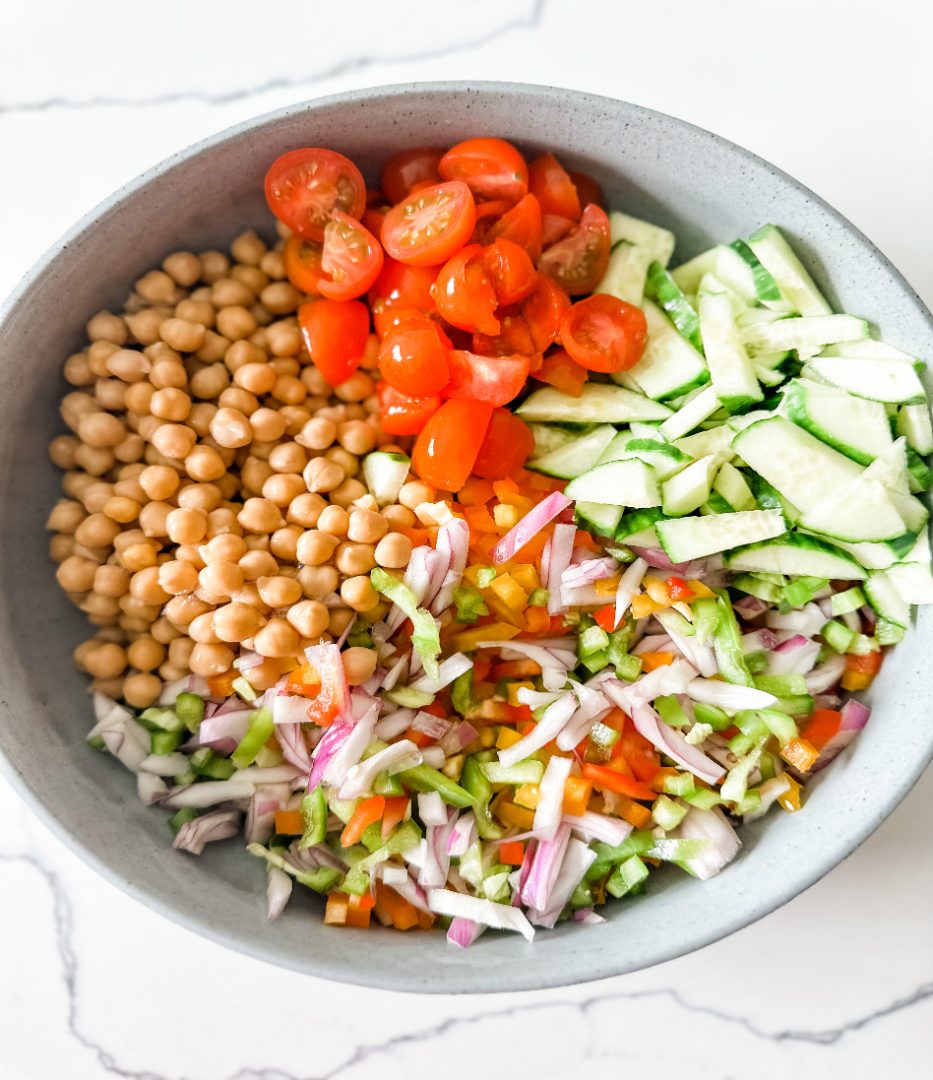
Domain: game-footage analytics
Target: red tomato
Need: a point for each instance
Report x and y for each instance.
(399, 292)
(555, 191)
(492, 168)
(521, 225)
(335, 334)
(464, 293)
(578, 262)
(563, 373)
(543, 312)
(604, 333)
(554, 228)
(302, 260)
(409, 167)
(511, 270)
(513, 337)
(430, 225)
(588, 191)
(403, 415)
(373, 218)
(352, 257)
(487, 214)
(495, 380)
(450, 442)
(304, 188)
(413, 359)
(507, 446)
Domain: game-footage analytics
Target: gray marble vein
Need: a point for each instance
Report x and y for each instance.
(528, 21)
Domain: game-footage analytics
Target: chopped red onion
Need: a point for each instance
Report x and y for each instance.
(555, 663)
(550, 725)
(711, 825)
(394, 724)
(164, 764)
(558, 561)
(393, 875)
(674, 745)
(128, 741)
(530, 525)
(592, 826)
(700, 656)
(278, 891)
(652, 643)
(551, 796)
(458, 737)
(265, 802)
(576, 861)
(462, 834)
(396, 673)
(209, 793)
(289, 709)
(194, 834)
(536, 698)
(361, 703)
(349, 751)
(795, 656)
(585, 573)
(585, 596)
(588, 917)
(414, 894)
(667, 679)
(436, 867)
(326, 661)
(150, 788)
(223, 728)
(433, 756)
(463, 932)
(431, 808)
(545, 866)
(629, 584)
(436, 727)
(808, 620)
(334, 738)
(762, 640)
(728, 696)
(451, 668)
(453, 543)
(394, 758)
(578, 728)
(291, 739)
(486, 912)
(826, 676)
(750, 607)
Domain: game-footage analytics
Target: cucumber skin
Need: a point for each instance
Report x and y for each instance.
(796, 406)
(739, 559)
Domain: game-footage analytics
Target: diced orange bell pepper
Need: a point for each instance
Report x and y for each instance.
(467, 640)
(402, 914)
(643, 606)
(537, 620)
(801, 754)
(366, 813)
(641, 756)
(861, 670)
(359, 909)
(606, 617)
(657, 784)
(577, 792)
(394, 814)
(303, 680)
(634, 813)
(652, 660)
(510, 814)
(514, 669)
(425, 920)
(821, 726)
(512, 852)
(508, 590)
(289, 822)
(526, 576)
(418, 537)
(613, 780)
(527, 795)
(222, 685)
(479, 519)
(583, 539)
(475, 492)
(335, 914)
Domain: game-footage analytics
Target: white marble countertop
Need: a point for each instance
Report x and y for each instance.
(837, 983)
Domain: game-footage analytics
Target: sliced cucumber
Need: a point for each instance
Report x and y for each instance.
(880, 556)
(666, 293)
(716, 440)
(803, 332)
(738, 267)
(913, 422)
(636, 522)
(598, 518)
(804, 470)
(599, 403)
(666, 460)
(575, 457)
(891, 470)
(796, 554)
(874, 350)
(776, 255)
(698, 407)
(384, 473)
(670, 365)
(921, 475)
(885, 598)
(617, 483)
(913, 582)
(855, 427)
(862, 511)
(696, 537)
(731, 485)
(626, 273)
(660, 242)
(550, 437)
(647, 538)
(733, 378)
(688, 275)
(892, 381)
(689, 488)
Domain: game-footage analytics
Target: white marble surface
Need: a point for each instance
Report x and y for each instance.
(837, 984)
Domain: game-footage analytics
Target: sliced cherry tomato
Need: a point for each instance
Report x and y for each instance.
(464, 292)
(563, 373)
(352, 257)
(409, 167)
(492, 168)
(487, 213)
(550, 182)
(373, 218)
(403, 415)
(511, 270)
(335, 334)
(495, 380)
(521, 225)
(578, 262)
(399, 292)
(304, 188)
(507, 446)
(450, 443)
(544, 310)
(554, 227)
(430, 225)
(302, 260)
(513, 337)
(604, 333)
(413, 358)
(588, 191)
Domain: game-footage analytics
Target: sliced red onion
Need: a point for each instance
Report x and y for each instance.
(545, 866)
(770, 791)
(150, 788)
(451, 668)
(551, 796)
(104, 706)
(436, 867)
(453, 543)
(555, 663)
(361, 703)
(164, 764)
(529, 526)
(588, 917)
(461, 835)
(394, 724)
(223, 728)
(629, 584)
(128, 741)
(585, 573)
(394, 758)
(667, 679)
(652, 643)
(209, 793)
(431, 808)
(592, 826)
(536, 698)
(463, 932)
(247, 660)
(414, 894)
(393, 875)
(761, 640)
(265, 802)
(728, 696)
(194, 834)
(855, 716)
(334, 738)
(826, 676)
(289, 709)
(458, 737)
(576, 861)
(550, 725)
(272, 774)
(700, 656)
(486, 912)
(278, 891)
(796, 656)
(433, 756)
(436, 727)
(750, 607)
(291, 738)
(578, 729)
(585, 596)
(397, 672)
(545, 561)
(346, 631)
(808, 620)
(326, 661)
(350, 750)
(558, 561)
(674, 745)
(711, 825)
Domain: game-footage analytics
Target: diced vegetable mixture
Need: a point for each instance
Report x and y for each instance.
(468, 561)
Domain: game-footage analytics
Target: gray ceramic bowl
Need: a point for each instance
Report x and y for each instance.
(703, 188)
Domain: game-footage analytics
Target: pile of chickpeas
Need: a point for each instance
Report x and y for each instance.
(213, 494)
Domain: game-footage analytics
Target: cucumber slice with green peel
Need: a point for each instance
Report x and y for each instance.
(733, 378)
(716, 440)
(384, 473)
(920, 473)
(788, 272)
(660, 242)
(796, 554)
(853, 426)
(617, 483)
(636, 522)
(861, 512)
(689, 538)
(885, 599)
(577, 456)
(731, 485)
(891, 470)
(699, 407)
(711, 285)
(739, 268)
(550, 437)
(641, 430)
(914, 424)
(670, 366)
(626, 273)
(689, 488)
(894, 382)
(598, 403)
(751, 316)
(883, 555)
(870, 349)
(598, 518)
(913, 582)
(768, 376)
(661, 287)
(647, 538)
(688, 275)
(803, 332)
(666, 460)
(799, 466)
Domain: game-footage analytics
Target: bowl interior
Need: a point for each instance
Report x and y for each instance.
(703, 188)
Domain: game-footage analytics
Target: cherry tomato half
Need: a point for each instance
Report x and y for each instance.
(409, 167)
(511, 271)
(543, 312)
(492, 168)
(514, 337)
(603, 333)
(496, 380)
(413, 358)
(304, 188)
(430, 225)
(464, 292)
(578, 262)
(521, 225)
(588, 191)
(554, 228)
(403, 415)
(450, 442)
(302, 261)
(335, 334)
(550, 182)
(563, 373)
(399, 292)
(352, 257)
(507, 446)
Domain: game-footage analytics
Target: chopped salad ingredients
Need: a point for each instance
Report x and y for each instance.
(470, 561)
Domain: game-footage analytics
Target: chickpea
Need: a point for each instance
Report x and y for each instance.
(96, 531)
(282, 488)
(230, 427)
(237, 622)
(144, 325)
(339, 620)
(94, 460)
(256, 564)
(202, 413)
(170, 403)
(229, 487)
(367, 526)
(414, 493)
(266, 425)
(210, 382)
(215, 345)
(249, 595)
(145, 653)
(62, 451)
(295, 417)
(103, 610)
(100, 429)
(260, 516)
(273, 264)
(305, 510)
(315, 547)
(353, 559)
(138, 556)
(318, 581)
(159, 482)
(129, 365)
(358, 593)
(184, 267)
(182, 335)
(104, 661)
(105, 326)
(277, 638)
(147, 426)
(76, 574)
(226, 547)
(347, 492)
(163, 631)
(60, 547)
(257, 378)
(248, 248)
(201, 629)
(356, 388)
(358, 664)
(356, 436)
(221, 580)
(196, 311)
(279, 591)
(323, 475)
(223, 521)
(317, 434)
(289, 390)
(168, 372)
(283, 543)
(211, 659)
(179, 651)
(280, 297)
(111, 394)
(142, 689)
(76, 483)
(174, 440)
(153, 518)
(309, 617)
(110, 580)
(139, 397)
(181, 609)
(214, 264)
(393, 551)
(66, 516)
(186, 525)
(264, 675)
(235, 322)
(156, 286)
(131, 449)
(204, 464)
(78, 371)
(145, 587)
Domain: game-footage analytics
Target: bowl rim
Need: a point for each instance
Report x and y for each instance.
(448, 980)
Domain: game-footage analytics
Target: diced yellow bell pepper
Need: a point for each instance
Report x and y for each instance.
(658, 590)
(790, 800)
(513, 689)
(856, 680)
(800, 753)
(506, 516)
(526, 576)
(509, 592)
(507, 737)
(643, 606)
(467, 640)
(510, 814)
(700, 590)
(527, 795)
(607, 586)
